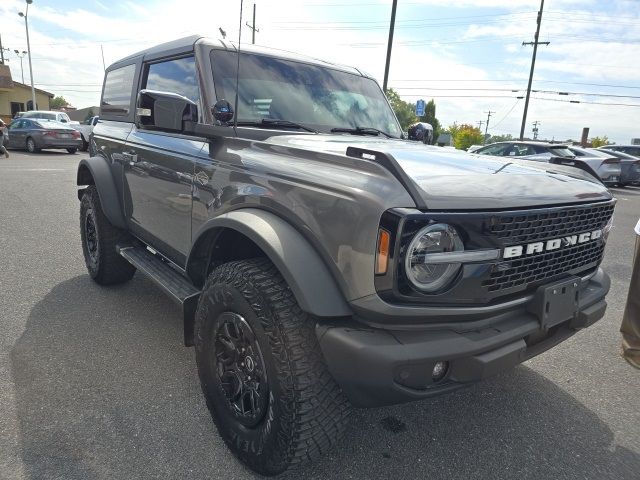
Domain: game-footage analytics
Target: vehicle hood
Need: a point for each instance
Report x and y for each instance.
(448, 179)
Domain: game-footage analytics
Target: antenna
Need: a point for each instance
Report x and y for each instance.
(235, 107)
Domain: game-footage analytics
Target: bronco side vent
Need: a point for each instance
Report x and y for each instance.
(390, 163)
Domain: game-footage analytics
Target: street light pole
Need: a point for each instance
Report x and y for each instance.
(26, 25)
(21, 55)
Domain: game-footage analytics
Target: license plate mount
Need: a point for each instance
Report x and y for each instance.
(556, 303)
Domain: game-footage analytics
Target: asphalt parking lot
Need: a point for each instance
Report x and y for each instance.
(95, 382)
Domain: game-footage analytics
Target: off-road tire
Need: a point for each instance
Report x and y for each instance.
(307, 412)
(104, 263)
(72, 150)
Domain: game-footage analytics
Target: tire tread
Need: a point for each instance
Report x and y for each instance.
(317, 410)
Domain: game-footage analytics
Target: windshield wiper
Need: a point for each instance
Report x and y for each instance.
(361, 131)
(273, 122)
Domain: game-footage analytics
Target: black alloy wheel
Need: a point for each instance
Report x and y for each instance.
(91, 238)
(241, 369)
(100, 240)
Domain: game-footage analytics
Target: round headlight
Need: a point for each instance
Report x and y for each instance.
(436, 238)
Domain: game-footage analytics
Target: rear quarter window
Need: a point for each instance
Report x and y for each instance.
(118, 87)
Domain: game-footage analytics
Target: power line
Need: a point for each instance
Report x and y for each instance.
(512, 80)
(515, 90)
(507, 114)
(428, 20)
(590, 103)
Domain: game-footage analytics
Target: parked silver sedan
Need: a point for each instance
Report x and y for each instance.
(606, 165)
(629, 165)
(36, 134)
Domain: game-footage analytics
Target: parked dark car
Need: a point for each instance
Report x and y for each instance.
(629, 167)
(34, 135)
(630, 149)
(421, 132)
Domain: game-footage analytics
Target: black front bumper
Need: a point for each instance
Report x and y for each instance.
(384, 366)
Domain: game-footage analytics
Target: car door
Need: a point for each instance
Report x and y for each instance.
(17, 137)
(158, 172)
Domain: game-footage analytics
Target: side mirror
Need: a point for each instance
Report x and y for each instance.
(222, 111)
(164, 110)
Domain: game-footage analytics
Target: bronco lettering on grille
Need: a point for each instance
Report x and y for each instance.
(515, 251)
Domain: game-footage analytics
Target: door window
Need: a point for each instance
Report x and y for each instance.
(175, 76)
(118, 86)
(498, 149)
(520, 150)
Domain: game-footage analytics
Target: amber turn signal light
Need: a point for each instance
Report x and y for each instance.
(382, 255)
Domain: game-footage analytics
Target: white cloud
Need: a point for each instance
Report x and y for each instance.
(67, 58)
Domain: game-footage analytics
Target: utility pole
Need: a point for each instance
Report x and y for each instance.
(253, 26)
(535, 129)
(480, 123)
(389, 44)
(104, 67)
(486, 128)
(1, 52)
(535, 44)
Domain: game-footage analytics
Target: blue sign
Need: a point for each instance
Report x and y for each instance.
(420, 106)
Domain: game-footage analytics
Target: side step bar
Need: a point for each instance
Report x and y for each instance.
(179, 289)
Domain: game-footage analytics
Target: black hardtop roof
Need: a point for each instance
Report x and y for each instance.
(186, 45)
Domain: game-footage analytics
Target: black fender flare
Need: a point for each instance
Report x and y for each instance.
(100, 171)
(305, 272)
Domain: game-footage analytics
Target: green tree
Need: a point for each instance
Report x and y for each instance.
(430, 117)
(58, 102)
(465, 135)
(599, 141)
(405, 111)
(500, 138)
(89, 114)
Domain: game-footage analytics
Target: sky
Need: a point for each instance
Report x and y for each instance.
(467, 55)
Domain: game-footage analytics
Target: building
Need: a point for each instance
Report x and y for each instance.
(16, 97)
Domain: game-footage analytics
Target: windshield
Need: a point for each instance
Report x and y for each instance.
(318, 97)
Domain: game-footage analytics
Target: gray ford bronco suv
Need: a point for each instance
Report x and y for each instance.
(320, 260)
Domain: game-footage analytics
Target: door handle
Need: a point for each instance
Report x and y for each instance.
(130, 157)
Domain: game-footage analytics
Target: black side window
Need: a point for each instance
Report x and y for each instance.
(118, 85)
(175, 76)
(499, 149)
(540, 149)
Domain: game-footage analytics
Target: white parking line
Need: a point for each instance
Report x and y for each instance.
(10, 169)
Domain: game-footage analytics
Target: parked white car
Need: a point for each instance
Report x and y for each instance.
(61, 117)
(85, 129)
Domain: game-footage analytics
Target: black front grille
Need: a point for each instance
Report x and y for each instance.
(531, 270)
(535, 269)
(526, 228)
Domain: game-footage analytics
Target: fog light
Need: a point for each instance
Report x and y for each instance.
(439, 371)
